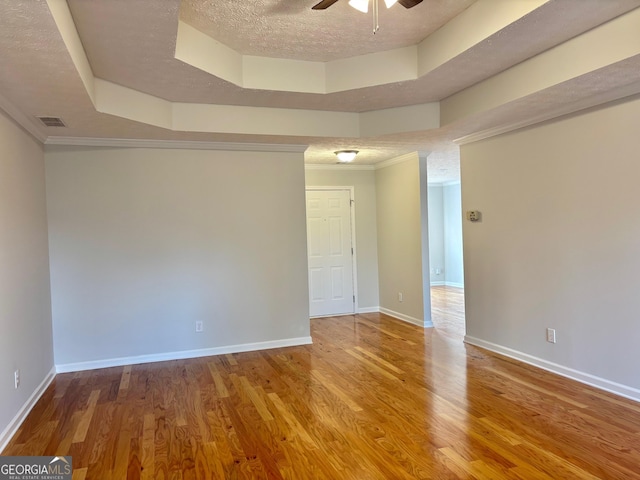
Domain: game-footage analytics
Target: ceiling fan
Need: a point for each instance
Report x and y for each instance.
(363, 6)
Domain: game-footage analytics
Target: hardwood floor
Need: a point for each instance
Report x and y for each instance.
(447, 310)
(372, 398)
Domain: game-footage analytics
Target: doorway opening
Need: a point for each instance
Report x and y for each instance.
(445, 258)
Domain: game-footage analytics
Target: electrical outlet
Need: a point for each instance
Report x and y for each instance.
(551, 335)
(199, 326)
(400, 296)
(16, 378)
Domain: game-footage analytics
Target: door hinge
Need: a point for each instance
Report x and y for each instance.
(354, 299)
(351, 250)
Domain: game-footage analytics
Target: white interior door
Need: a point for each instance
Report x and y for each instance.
(330, 252)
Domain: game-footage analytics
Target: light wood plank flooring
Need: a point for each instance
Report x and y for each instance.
(447, 310)
(372, 398)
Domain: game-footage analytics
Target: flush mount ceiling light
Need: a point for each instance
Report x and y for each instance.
(346, 156)
(363, 6)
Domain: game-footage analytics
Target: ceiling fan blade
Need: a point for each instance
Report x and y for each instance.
(325, 4)
(409, 3)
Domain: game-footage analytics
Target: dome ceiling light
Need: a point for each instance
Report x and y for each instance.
(346, 156)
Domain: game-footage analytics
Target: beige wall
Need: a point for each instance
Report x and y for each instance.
(558, 245)
(402, 238)
(364, 183)
(25, 305)
(146, 242)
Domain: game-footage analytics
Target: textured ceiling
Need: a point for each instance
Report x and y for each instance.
(132, 43)
(291, 29)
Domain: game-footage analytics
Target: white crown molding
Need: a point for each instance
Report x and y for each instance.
(28, 124)
(338, 166)
(175, 144)
(395, 161)
(582, 377)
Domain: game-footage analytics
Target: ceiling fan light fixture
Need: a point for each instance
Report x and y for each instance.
(362, 5)
(346, 156)
(390, 3)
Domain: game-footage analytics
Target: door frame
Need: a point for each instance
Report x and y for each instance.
(352, 214)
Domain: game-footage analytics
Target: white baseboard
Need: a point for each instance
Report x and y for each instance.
(369, 310)
(163, 357)
(582, 377)
(447, 284)
(407, 318)
(360, 310)
(15, 423)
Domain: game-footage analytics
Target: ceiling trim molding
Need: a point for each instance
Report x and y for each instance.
(338, 166)
(21, 119)
(395, 161)
(172, 144)
(499, 130)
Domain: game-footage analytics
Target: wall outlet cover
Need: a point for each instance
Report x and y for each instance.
(551, 335)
